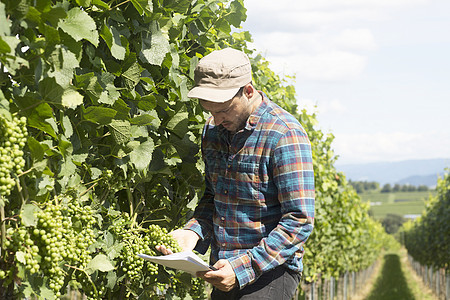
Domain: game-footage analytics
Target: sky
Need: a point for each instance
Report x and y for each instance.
(376, 72)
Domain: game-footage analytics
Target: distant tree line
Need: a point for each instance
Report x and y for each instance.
(387, 188)
(392, 223)
(365, 186)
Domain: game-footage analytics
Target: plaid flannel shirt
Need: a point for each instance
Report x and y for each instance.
(258, 207)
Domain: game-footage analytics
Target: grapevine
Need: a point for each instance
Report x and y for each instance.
(427, 238)
(59, 241)
(113, 145)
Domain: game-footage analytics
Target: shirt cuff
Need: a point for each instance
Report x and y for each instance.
(242, 266)
(204, 241)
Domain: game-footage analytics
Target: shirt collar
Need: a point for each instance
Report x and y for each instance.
(257, 113)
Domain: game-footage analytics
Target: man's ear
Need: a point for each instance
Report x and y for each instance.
(249, 91)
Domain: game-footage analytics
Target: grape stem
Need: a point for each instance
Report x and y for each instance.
(91, 187)
(24, 188)
(25, 172)
(132, 212)
(87, 275)
(19, 189)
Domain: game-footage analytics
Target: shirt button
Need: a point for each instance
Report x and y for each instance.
(225, 192)
(223, 244)
(222, 218)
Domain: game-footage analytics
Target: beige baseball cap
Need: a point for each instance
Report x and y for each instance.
(220, 74)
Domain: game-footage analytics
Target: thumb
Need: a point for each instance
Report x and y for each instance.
(221, 263)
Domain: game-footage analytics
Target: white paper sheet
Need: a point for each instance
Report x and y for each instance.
(186, 261)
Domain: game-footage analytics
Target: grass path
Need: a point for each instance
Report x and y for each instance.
(397, 281)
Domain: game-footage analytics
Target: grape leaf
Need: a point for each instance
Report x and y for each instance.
(109, 95)
(143, 6)
(4, 47)
(65, 62)
(71, 98)
(4, 22)
(155, 45)
(101, 263)
(142, 155)
(112, 279)
(79, 25)
(20, 256)
(237, 13)
(112, 38)
(179, 124)
(120, 131)
(144, 119)
(67, 126)
(132, 75)
(36, 150)
(99, 115)
(28, 215)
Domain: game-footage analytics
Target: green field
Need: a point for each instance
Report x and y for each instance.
(398, 203)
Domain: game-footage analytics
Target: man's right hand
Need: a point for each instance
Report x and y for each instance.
(187, 239)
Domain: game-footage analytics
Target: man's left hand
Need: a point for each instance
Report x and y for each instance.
(224, 278)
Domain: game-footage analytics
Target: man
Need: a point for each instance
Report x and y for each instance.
(258, 207)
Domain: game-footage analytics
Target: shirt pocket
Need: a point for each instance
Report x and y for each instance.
(248, 183)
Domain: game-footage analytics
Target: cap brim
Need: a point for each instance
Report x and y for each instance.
(213, 95)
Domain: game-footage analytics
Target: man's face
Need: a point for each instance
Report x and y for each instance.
(232, 114)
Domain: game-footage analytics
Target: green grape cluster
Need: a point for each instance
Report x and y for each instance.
(116, 181)
(13, 136)
(140, 240)
(60, 240)
(197, 289)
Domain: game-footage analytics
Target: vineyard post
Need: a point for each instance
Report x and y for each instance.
(332, 288)
(353, 282)
(431, 277)
(438, 291)
(311, 291)
(447, 285)
(345, 284)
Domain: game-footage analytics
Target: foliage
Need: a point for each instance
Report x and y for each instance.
(363, 186)
(392, 223)
(111, 159)
(427, 239)
(386, 188)
(102, 86)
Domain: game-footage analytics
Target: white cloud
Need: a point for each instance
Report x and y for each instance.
(334, 106)
(327, 5)
(290, 15)
(310, 105)
(323, 40)
(393, 146)
(355, 39)
(333, 65)
(321, 54)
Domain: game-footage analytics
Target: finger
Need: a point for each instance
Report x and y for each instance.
(214, 281)
(201, 274)
(164, 250)
(220, 264)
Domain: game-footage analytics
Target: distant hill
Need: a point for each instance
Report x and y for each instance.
(428, 180)
(414, 172)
